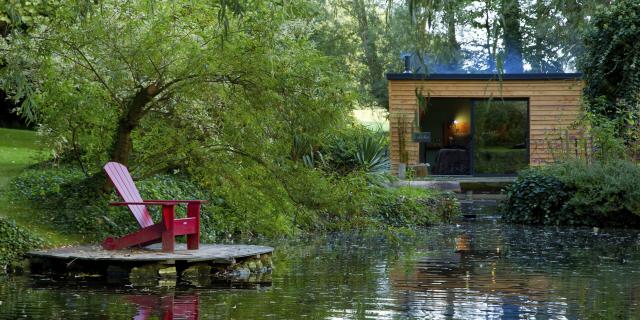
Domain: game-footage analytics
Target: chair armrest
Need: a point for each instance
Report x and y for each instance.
(161, 203)
(177, 201)
(157, 202)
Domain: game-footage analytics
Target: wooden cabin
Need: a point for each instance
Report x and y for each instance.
(480, 124)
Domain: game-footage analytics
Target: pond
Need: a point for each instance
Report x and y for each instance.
(472, 270)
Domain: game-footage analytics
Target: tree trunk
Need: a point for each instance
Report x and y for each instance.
(512, 36)
(4, 29)
(132, 116)
(491, 61)
(453, 59)
(536, 57)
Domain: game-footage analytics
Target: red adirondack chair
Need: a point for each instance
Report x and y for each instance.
(150, 232)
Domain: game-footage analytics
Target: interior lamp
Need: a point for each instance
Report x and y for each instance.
(459, 127)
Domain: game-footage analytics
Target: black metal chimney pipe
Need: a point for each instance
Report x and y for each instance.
(407, 64)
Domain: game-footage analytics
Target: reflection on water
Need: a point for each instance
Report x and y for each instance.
(180, 306)
(480, 270)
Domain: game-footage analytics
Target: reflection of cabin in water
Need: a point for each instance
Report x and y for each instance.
(479, 123)
(450, 282)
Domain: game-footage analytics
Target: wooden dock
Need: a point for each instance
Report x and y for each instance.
(211, 260)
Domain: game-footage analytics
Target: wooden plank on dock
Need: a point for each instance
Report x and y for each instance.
(217, 253)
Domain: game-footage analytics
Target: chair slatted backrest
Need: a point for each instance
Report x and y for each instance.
(122, 181)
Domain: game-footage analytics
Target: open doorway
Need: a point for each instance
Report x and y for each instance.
(475, 136)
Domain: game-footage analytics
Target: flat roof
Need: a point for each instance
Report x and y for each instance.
(484, 76)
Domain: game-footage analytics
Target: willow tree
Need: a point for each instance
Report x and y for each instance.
(167, 83)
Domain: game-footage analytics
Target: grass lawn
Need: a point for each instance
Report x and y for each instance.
(18, 150)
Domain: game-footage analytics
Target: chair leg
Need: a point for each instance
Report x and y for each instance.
(168, 242)
(168, 234)
(193, 240)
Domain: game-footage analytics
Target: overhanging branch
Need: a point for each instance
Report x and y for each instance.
(94, 71)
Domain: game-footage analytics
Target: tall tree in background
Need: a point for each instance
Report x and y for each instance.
(436, 37)
(354, 33)
(490, 34)
(450, 16)
(538, 26)
(544, 35)
(510, 17)
(451, 36)
(369, 22)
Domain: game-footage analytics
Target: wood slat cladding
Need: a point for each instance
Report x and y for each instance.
(554, 105)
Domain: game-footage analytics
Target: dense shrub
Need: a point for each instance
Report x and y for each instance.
(300, 199)
(602, 192)
(68, 200)
(535, 198)
(15, 242)
(408, 206)
(577, 193)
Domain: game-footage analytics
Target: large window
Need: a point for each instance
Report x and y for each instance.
(475, 136)
(500, 131)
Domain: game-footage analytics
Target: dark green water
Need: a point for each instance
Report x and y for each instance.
(498, 272)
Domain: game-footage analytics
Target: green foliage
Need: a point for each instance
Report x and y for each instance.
(610, 69)
(353, 33)
(67, 199)
(22, 13)
(593, 137)
(535, 198)
(602, 192)
(247, 203)
(414, 207)
(372, 155)
(15, 242)
(355, 148)
(577, 193)
(329, 202)
(606, 143)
